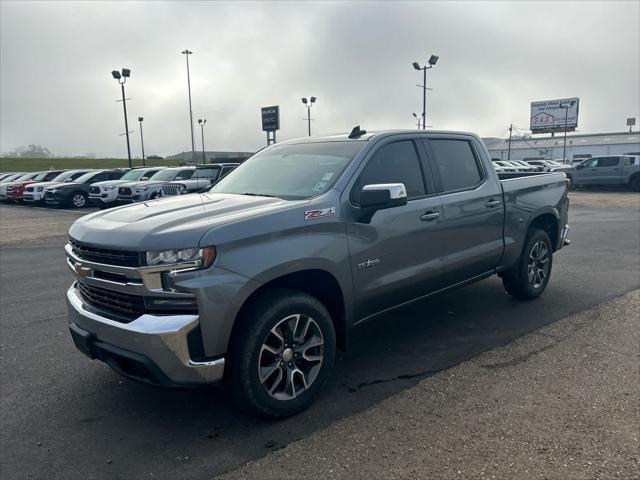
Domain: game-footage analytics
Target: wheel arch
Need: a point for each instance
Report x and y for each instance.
(318, 283)
(549, 223)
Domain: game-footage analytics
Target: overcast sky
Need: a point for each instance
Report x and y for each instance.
(355, 57)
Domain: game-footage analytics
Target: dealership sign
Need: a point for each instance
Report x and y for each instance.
(270, 118)
(554, 115)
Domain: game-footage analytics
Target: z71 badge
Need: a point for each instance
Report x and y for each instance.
(319, 213)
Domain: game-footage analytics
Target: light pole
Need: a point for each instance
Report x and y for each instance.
(418, 119)
(309, 103)
(121, 78)
(201, 122)
(566, 107)
(140, 119)
(431, 63)
(509, 152)
(186, 53)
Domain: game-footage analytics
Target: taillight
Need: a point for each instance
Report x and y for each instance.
(567, 182)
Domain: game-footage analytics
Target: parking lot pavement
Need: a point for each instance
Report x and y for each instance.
(64, 416)
(20, 223)
(558, 403)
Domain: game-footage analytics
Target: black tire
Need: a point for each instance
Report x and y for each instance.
(517, 281)
(247, 352)
(78, 200)
(635, 183)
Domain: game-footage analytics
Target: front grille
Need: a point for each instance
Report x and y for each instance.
(124, 191)
(50, 195)
(28, 189)
(117, 305)
(124, 307)
(172, 189)
(94, 189)
(103, 255)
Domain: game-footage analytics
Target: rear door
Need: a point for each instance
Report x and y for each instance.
(472, 204)
(609, 170)
(396, 257)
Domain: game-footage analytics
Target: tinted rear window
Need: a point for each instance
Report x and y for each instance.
(456, 163)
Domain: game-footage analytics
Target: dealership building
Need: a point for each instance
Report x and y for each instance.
(211, 157)
(551, 147)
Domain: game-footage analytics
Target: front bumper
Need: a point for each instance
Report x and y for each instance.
(152, 348)
(564, 234)
(33, 196)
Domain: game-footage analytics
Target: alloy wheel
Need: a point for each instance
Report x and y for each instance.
(538, 264)
(291, 357)
(78, 200)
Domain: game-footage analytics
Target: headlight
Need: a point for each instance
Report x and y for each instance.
(203, 256)
(109, 187)
(39, 189)
(141, 188)
(52, 191)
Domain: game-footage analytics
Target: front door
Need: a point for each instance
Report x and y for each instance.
(397, 256)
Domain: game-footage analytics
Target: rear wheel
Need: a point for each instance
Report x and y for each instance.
(281, 354)
(529, 278)
(78, 200)
(635, 183)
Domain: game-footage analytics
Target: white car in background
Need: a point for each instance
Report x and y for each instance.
(34, 193)
(504, 166)
(105, 194)
(525, 167)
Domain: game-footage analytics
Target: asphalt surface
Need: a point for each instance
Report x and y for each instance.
(64, 416)
(504, 414)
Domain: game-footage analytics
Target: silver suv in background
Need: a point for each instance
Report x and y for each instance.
(205, 176)
(141, 191)
(105, 194)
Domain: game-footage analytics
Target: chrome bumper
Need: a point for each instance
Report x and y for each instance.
(160, 339)
(564, 233)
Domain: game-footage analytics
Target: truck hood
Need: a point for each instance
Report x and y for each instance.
(107, 183)
(174, 222)
(44, 184)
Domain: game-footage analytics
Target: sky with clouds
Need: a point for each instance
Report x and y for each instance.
(56, 87)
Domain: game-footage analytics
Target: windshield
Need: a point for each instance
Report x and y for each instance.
(85, 177)
(164, 175)
(132, 175)
(291, 172)
(41, 176)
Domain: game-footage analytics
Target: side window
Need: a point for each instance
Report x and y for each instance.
(395, 162)
(207, 173)
(101, 177)
(456, 163)
(591, 163)
(116, 175)
(608, 161)
(184, 175)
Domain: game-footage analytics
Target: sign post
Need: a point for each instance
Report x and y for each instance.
(631, 122)
(271, 122)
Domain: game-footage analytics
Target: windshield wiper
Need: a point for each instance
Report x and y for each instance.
(251, 194)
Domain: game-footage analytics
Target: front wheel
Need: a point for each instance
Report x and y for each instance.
(530, 276)
(281, 354)
(635, 184)
(78, 200)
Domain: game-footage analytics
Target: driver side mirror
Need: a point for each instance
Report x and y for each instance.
(144, 179)
(380, 197)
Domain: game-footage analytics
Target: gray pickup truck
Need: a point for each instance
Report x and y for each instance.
(260, 279)
(610, 170)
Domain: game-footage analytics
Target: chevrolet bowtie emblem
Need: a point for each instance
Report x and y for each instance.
(81, 271)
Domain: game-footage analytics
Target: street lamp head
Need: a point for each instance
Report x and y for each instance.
(416, 65)
(199, 121)
(304, 100)
(313, 99)
(416, 116)
(140, 119)
(116, 74)
(187, 52)
(433, 60)
(126, 72)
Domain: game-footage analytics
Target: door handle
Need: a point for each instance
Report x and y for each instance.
(493, 203)
(428, 216)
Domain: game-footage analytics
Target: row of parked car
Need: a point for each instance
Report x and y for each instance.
(107, 187)
(523, 166)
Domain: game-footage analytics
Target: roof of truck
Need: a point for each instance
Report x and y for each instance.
(342, 137)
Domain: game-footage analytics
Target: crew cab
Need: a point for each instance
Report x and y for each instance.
(610, 170)
(150, 189)
(15, 190)
(204, 177)
(76, 194)
(258, 280)
(105, 194)
(34, 193)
